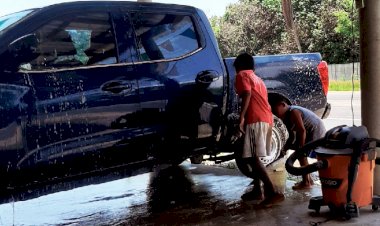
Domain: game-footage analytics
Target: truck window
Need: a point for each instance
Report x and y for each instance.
(76, 40)
(164, 36)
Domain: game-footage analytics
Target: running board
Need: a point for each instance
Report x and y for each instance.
(220, 159)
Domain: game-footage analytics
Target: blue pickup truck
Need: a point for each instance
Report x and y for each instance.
(90, 86)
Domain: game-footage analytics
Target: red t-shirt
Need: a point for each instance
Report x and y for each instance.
(259, 109)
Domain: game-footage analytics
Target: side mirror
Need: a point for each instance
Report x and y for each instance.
(24, 49)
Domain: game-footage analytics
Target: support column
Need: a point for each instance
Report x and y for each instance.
(370, 72)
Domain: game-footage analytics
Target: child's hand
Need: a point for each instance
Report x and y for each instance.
(241, 127)
(238, 134)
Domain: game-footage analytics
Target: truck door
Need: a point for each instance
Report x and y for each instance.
(84, 98)
(175, 87)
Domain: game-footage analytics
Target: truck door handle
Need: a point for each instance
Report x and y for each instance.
(117, 87)
(206, 77)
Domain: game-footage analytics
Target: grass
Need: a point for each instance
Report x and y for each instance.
(339, 85)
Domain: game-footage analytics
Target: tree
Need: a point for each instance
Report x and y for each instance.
(258, 26)
(326, 27)
(245, 27)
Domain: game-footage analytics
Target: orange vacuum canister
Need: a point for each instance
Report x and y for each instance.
(346, 161)
(334, 179)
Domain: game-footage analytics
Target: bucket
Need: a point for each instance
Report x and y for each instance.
(277, 174)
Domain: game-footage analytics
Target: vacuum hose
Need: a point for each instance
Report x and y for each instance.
(304, 151)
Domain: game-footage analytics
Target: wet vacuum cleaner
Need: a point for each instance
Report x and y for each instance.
(346, 161)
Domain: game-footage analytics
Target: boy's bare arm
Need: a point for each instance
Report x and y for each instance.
(245, 96)
(296, 118)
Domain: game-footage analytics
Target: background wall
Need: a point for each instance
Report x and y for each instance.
(344, 71)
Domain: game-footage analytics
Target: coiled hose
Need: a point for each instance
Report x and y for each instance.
(304, 151)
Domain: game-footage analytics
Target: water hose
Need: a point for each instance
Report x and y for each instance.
(304, 151)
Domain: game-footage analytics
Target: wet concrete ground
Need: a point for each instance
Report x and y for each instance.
(184, 195)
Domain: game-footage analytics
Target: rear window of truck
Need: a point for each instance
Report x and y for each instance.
(164, 36)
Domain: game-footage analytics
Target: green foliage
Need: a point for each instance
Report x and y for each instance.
(346, 25)
(215, 24)
(257, 26)
(274, 5)
(344, 85)
(245, 27)
(344, 22)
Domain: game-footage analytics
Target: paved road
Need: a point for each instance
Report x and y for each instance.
(341, 112)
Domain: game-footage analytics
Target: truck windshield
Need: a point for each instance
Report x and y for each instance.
(8, 20)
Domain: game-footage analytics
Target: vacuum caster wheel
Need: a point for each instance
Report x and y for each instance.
(375, 207)
(332, 208)
(351, 210)
(315, 203)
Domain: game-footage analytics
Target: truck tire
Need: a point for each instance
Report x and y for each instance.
(279, 136)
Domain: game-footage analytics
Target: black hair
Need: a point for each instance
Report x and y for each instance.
(277, 99)
(244, 62)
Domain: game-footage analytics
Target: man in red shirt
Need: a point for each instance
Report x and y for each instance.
(255, 123)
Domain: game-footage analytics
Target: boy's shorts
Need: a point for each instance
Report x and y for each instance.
(257, 140)
(317, 133)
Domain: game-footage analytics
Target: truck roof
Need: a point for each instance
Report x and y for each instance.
(140, 5)
(51, 10)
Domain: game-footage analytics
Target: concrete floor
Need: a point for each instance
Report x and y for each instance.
(185, 195)
(294, 209)
(218, 202)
